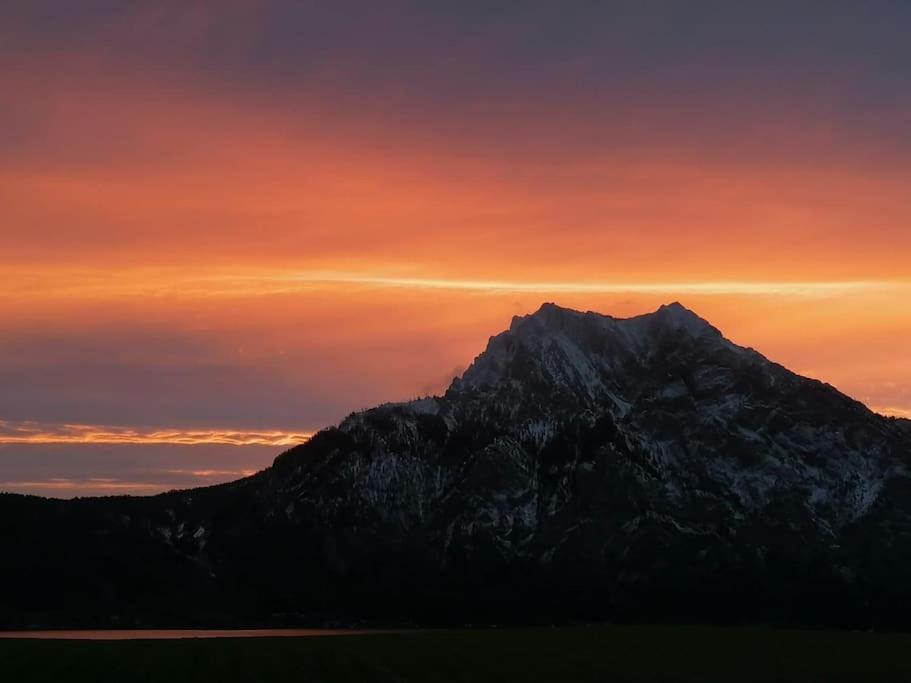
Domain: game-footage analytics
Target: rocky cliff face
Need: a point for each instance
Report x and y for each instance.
(582, 467)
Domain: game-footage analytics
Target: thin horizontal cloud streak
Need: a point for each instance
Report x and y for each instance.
(86, 469)
(101, 486)
(75, 487)
(799, 289)
(150, 283)
(38, 433)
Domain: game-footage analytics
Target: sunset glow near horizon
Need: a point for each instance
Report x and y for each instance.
(228, 226)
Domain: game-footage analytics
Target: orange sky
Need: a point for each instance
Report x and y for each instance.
(218, 222)
(156, 175)
(222, 248)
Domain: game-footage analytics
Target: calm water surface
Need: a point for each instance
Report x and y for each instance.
(175, 633)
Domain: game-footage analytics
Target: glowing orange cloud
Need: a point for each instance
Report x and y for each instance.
(92, 486)
(100, 486)
(184, 176)
(35, 433)
(246, 282)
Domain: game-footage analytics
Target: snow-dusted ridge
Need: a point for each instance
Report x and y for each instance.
(690, 405)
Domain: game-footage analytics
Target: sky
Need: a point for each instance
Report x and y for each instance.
(226, 225)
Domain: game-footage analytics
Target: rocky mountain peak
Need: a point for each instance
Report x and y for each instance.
(584, 350)
(584, 467)
(676, 315)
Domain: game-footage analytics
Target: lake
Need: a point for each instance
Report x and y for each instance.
(178, 633)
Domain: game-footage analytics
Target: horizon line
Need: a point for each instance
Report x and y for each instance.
(43, 433)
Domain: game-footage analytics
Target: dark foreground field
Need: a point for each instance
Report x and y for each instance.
(559, 654)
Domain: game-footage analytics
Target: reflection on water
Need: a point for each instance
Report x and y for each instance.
(175, 633)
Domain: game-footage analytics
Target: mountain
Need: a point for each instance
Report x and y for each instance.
(583, 467)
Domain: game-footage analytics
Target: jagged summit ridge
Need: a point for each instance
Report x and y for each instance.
(679, 316)
(673, 314)
(583, 349)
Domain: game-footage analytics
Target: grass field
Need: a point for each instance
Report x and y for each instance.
(638, 653)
